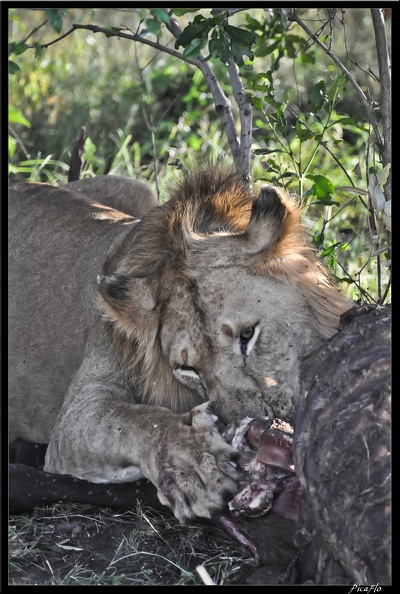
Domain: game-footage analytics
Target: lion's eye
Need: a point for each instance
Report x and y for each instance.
(247, 334)
(247, 339)
(186, 372)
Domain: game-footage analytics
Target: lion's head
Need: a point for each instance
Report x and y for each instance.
(216, 296)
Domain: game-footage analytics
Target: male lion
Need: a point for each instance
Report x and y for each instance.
(131, 196)
(119, 328)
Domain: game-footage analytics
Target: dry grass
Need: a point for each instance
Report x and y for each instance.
(73, 544)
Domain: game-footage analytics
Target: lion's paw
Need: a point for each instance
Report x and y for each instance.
(194, 471)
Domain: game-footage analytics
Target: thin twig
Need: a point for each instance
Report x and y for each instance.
(343, 68)
(34, 31)
(111, 33)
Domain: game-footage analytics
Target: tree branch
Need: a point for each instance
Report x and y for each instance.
(111, 33)
(222, 104)
(246, 119)
(386, 86)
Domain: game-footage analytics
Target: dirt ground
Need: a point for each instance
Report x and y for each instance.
(75, 544)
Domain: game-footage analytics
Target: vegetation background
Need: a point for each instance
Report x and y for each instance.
(148, 113)
(145, 110)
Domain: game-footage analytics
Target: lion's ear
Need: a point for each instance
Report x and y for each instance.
(274, 217)
(127, 294)
(267, 221)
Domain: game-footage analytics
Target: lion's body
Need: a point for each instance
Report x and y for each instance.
(131, 196)
(210, 297)
(52, 286)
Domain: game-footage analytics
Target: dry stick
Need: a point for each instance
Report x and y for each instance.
(386, 86)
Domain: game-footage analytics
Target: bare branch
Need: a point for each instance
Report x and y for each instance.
(386, 87)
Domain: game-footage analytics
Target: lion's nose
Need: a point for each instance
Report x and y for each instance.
(235, 404)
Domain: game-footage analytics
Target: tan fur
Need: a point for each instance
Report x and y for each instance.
(292, 261)
(119, 328)
(131, 196)
(202, 207)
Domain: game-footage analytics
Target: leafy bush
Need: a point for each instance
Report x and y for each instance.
(146, 110)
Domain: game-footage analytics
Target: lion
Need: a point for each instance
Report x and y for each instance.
(131, 196)
(119, 328)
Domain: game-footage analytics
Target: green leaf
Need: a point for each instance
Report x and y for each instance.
(317, 95)
(38, 50)
(318, 238)
(345, 280)
(15, 117)
(257, 103)
(13, 67)
(265, 151)
(195, 30)
(336, 87)
(287, 174)
(270, 48)
(253, 23)
(219, 14)
(219, 46)
(55, 19)
(324, 38)
(161, 15)
(322, 187)
(153, 26)
(12, 145)
(17, 48)
(302, 132)
(331, 248)
(308, 58)
(89, 150)
(195, 46)
(240, 36)
(241, 42)
(182, 11)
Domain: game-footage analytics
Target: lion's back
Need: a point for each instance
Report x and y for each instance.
(59, 239)
(131, 196)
